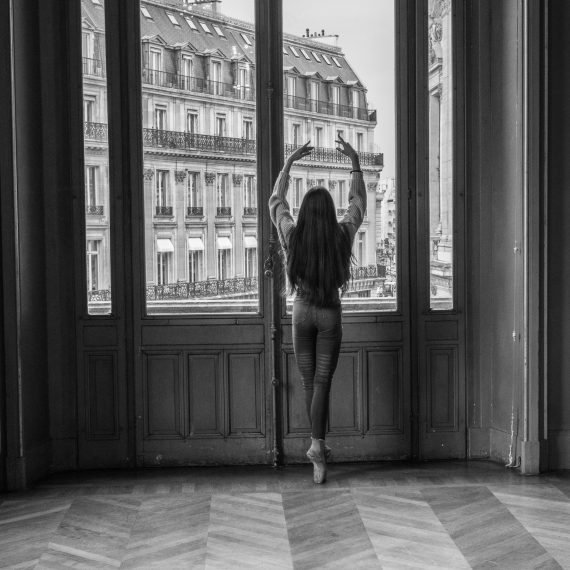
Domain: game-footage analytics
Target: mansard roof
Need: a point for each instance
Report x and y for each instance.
(233, 45)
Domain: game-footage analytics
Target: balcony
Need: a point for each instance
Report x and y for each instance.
(250, 211)
(92, 210)
(178, 140)
(195, 211)
(196, 84)
(94, 67)
(163, 211)
(327, 108)
(223, 211)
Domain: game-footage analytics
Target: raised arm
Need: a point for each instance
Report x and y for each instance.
(278, 205)
(357, 194)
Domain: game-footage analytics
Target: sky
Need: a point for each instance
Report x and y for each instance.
(366, 35)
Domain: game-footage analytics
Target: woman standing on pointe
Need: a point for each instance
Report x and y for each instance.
(318, 253)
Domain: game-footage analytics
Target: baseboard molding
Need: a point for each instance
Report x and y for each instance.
(559, 449)
(500, 442)
(64, 455)
(21, 472)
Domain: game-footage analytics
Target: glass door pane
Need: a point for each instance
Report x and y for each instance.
(441, 135)
(96, 159)
(337, 83)
(200, 192)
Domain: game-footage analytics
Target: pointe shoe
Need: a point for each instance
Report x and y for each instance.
(318, 460)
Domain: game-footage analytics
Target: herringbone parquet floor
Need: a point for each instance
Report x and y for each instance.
(442, 515)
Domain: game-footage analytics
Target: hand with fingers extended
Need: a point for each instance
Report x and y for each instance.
(301, 152)
(346, 149)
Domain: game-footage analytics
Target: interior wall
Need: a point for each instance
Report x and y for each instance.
(558, 236)
(28, 451)
(494, 278)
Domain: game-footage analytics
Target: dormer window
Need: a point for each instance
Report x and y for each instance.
(285, 52)
(190, 23)
(316, 56)
(219, 31)
(205, 27)
(145, 12)
(294, 51)
(304, 52)
(246, 39)
(98, 2)
(336, 61)
(327, 60)
(172, 19)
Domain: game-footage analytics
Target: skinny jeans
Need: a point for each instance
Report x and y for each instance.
(317, 334)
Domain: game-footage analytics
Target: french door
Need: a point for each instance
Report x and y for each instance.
(181, 371)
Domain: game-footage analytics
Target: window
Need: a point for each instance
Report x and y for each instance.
(316, 56)
(440, 109)
(217, 77)
(155, 59)
(191, 23)
(296, 135)
(315, 92)
(248, 129)
(243, 86)
(361, 249)
(88, 110)
(321, 182)
(205, 27)
(91, 176)
(341, 194)
(163, 261)
(223, 191)
(145, 12)
(192, 122)
(326, 58)
(93, 264)
(246, 39)
(297, 192)
(249, 193)
(305, 54)
(173, 19)
(87, 44)
(336, 61)
(187, 68)
(221, 126)
(336, 97)
(195, 259)
(218, 31)
(160, 118)
(193, 194)
(318, 136)
(294, 51)
(292, 85)
(161, 195)
(250, 257)
(360, 142)
(224, 257)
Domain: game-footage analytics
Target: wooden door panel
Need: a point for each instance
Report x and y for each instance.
(345, 415)
(205, 395)
(385, 405)
(442, 389)
(245, 394)
(101, 405)
(163, 402)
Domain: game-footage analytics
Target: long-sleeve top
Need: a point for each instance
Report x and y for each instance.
(283, 220)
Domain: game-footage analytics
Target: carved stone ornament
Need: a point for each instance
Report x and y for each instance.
(372, 186)
(311, 182)
(180, 175)
(440, 8)
(148, 173)
(332, 184)
(237, 178)
(210, 177)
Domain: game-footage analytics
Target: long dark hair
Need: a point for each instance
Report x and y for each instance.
(319, 255)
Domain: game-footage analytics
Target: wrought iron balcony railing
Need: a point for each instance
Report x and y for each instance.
(92, 210)
(196, 84)
(340, 211)
(328, 108)
(223, 211)
(250, 211)
(201, 289)
(195, 211)
(164, 210)
(179, 140)
(94, 67)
